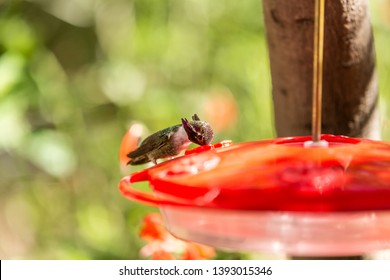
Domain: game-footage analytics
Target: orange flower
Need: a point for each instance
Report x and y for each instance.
(221, 110)
(164, 246)
(153, 228)
(195, 251)
(162, 255)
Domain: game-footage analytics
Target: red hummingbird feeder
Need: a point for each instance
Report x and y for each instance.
(276, 195)
(320, 195)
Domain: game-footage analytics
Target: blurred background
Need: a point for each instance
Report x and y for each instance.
(74, 74)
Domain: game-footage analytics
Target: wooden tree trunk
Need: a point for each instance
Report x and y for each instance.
(350, 90)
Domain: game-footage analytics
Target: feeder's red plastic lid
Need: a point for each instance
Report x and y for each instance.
(273, 175)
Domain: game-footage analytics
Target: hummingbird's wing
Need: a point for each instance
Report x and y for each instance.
(154, 142)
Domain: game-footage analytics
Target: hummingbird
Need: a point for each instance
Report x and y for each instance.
(171, 141)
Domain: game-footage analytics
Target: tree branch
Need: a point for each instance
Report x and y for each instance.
(350, 89)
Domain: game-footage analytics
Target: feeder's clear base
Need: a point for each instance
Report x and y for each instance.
(291, 233)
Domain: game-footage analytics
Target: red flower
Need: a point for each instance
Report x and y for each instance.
(152, 228)
(164, 246)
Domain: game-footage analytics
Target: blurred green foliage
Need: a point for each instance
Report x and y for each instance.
(73, 76)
